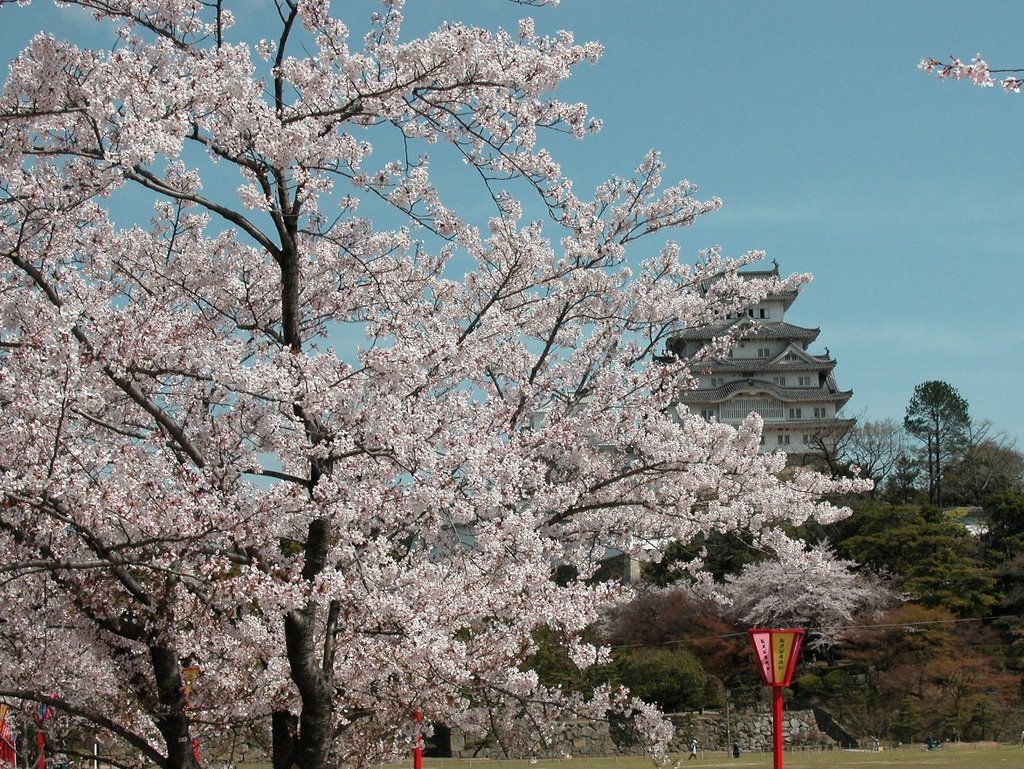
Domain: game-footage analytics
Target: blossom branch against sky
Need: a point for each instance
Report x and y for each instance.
(976, 70)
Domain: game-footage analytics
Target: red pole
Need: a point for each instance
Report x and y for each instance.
(417, 752)
(8, 755)
(41, 743)
(777, 725)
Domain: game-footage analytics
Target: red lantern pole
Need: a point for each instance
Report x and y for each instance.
(776, 650)
(43, 712)
(417, 751)
(189, 675)
(777, 726)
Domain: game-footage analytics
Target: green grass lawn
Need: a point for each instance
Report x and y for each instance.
(960, 756)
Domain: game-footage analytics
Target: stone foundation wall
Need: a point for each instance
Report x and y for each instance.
(713, 731)
(753, 731)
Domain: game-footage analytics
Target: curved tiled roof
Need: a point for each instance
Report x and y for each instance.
(761, 330)
(787, 297)
(829, 423)
(760, 387)
(820, 362)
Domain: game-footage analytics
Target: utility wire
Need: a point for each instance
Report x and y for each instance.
(879, 626)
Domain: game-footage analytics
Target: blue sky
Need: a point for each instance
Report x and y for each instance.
(831, 151)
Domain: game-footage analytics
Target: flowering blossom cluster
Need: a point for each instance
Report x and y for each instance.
(193, 476)
(976, 70)
(802, 586)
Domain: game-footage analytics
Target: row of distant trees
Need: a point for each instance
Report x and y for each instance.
(932, 644)
(937, 454)
(934, 647)
(937, 652)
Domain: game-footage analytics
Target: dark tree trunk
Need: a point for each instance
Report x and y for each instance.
(284, 728)
(313, 746)
(171, 718)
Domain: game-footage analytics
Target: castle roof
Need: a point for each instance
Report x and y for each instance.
(745, 328)
(736, 365)
(760, 387)
(787, 297)
(792, 358)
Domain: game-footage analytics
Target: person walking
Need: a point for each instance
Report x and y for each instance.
(693, 749)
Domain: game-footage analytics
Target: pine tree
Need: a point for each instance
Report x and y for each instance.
(938, 417)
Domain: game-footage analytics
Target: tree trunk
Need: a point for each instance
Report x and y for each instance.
(284, 728)
(171, 718)
(312, 749)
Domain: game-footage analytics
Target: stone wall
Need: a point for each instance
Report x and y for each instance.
(713, 731)
(753, 731)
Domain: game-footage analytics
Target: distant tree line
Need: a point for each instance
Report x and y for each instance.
(938, 454)
(925, 637)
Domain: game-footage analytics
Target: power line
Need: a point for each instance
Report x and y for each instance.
(865, 626)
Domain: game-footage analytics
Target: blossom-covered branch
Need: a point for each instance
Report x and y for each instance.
(976, 70)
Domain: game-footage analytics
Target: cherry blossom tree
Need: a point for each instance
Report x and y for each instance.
(802, 586)
(290, 446)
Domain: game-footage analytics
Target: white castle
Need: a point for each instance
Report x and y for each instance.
(771, 372)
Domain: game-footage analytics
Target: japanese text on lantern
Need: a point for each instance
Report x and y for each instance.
(782, 648)
(762, 647)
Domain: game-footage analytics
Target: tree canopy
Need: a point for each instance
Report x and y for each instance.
(930, 557)
(988, 464)
(272, 409)
(938, 417)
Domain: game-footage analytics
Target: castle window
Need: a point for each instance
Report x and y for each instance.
(708, 414)
(795, 413)
(804, 381)
(821, 412)
(779, 380)
(717, 381)
(764, 352)
(783, 439)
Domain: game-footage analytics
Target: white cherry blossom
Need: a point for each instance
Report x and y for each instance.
(193, 222)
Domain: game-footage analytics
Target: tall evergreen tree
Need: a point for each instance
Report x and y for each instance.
(929, 558)
(937, 416)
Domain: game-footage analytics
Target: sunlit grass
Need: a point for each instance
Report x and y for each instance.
(959, 755)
